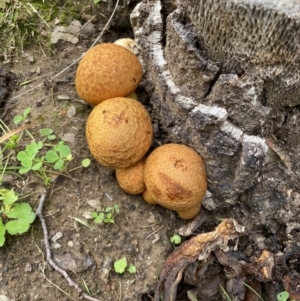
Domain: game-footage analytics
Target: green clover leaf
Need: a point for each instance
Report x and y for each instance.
(120, 265)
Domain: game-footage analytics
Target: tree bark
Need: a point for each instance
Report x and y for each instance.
(223, 77)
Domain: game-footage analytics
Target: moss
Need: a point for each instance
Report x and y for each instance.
(24, 23)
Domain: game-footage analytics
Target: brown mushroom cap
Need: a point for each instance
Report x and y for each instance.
(175, 177)
(131, 179)
(119, 132)
(107, 71)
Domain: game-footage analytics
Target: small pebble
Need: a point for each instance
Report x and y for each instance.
(69, 137)
(5, 298)
(70, 244)
(71, 112)
(28, 267)
(56, 236)
(55, 246)
(132, 207)
(40, 102)
(96, 204)
(62, 97)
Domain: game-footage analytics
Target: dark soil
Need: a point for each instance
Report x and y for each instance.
(141, 232)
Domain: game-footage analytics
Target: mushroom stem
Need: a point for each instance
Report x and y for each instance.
(148, 197)
(189, 213)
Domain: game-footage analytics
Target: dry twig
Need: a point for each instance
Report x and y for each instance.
(39, 214)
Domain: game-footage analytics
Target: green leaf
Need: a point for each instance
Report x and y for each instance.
(23, 170)
(108, 209)
(64, 150)
(94, 214)
(22, 211)
(26, 163)
(132, 269)
(283, 296)
(51, 137)
(45, 132)
(109, 219)
(17, 119)
(116, 209)
(39, 145)
(175, 239)
(26, 112)
(16, 226)
(51, 156)
(85, 162)
(32, 149)
(8, 196)
(99, 218)
(22, 155)
(23, 216)
(2, 233)
(37, 166)
(120, 265)
(59, 164)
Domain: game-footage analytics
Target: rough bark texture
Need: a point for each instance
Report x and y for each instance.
(120, 20)
(223, 77)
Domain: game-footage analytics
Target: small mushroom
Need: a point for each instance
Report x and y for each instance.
(128, 43)
(175, 178)
(131, 179)
(107, 71)
(119, 132)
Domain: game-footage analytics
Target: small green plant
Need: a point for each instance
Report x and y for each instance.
(31, 159)
(59, 156)
(22, 118)
(15, 218)
(132, 269)
(42, 157)
(283, 296)
(175, 239)
(107, 216)
(97, 1)
(48, 133)
(121, 265)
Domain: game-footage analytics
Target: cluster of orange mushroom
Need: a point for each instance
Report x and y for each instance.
(119, 134)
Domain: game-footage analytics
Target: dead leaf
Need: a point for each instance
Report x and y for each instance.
(266, 262)
(199, 247)
(68, 33)
(74, 261)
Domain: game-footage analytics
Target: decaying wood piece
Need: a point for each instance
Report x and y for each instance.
(223, 77)
(199, 247)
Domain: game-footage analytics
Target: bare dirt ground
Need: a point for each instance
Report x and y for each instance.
(141, 232)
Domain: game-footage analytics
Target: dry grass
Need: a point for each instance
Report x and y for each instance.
(29, 22)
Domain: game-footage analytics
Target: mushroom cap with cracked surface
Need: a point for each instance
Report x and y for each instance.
(175, 177)
(107, 71)
(119, 132)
